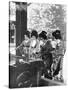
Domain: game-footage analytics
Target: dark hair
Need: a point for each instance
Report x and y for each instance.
(57, 34)
(27, 33)
(34, 33)
(43, 35)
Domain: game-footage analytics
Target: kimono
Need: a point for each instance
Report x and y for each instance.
(24, 49)
(47, 58)
(34, 48)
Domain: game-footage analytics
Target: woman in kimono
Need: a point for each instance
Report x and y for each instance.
(33, 44)
(59, 53)
(24, 49)
(46, 55)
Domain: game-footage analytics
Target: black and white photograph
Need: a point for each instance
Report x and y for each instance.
(37, 44)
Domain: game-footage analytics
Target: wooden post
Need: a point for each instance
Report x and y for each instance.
(21, 26)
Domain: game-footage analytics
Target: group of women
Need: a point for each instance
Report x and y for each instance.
(41, 46)
(35, 43)
(37, 50)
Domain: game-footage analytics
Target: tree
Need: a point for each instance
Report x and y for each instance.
(46, 17)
